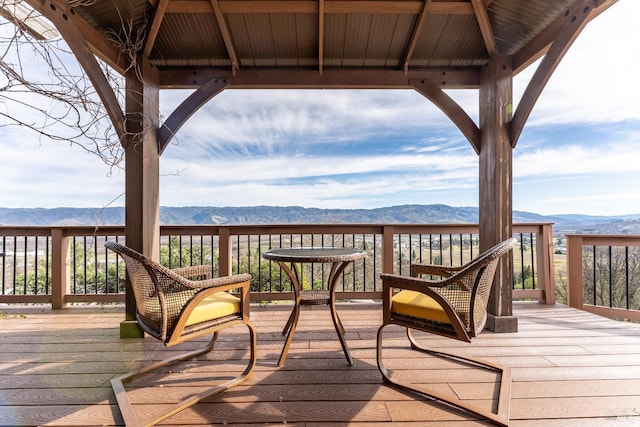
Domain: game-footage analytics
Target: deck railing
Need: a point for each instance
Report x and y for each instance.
(604, 274)
(67, 265)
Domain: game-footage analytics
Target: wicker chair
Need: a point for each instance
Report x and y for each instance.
(174, 309)
(454, 307)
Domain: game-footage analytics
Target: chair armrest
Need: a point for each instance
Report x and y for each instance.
(434, 270)
(417, 284)
(203, 271)
(225, 283)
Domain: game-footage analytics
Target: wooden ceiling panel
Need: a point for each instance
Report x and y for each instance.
(383, 50)
(450, 40)
(356, 40)
(366, 35)
(289, 38)
(203, 45)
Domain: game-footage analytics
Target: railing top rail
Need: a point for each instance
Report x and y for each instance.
(74, 230)
(607, 239)
(240, 229)
(24, 231)
(235, 229)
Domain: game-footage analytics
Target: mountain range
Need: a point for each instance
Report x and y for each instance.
(405, 214)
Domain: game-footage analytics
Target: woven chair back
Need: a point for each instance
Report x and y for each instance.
(159, 295)
(476, 280)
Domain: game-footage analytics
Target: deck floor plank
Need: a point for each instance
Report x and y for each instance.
(570, 368)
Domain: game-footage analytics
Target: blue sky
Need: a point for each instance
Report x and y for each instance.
(579, 153)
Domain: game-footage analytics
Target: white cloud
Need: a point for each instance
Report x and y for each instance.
(357, 181)
(46, 174)
(359, 149)
(595, 81)
(289, 117)
(575, 160)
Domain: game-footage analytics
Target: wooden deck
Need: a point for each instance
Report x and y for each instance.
(570, 368)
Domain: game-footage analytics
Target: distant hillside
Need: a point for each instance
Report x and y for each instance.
(407, 214)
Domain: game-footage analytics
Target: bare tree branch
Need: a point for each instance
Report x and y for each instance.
(43, 89)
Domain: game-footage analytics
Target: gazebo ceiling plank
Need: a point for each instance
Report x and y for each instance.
(189, 37)
(331, 6)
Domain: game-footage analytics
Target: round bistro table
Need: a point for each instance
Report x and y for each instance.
(288, 259)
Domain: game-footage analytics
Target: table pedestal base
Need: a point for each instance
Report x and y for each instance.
(313, 297)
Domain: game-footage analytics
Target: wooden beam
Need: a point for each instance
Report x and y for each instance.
(186, 109)
(156, 22)
(226, 36)
(484, 23)
(415, 34)
(99, 45)
(573, 23)
(452, 109)
(60, 17)
(331, 6)
(540, 44)
(330, 79)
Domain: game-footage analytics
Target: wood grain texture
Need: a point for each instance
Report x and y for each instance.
(570, 368)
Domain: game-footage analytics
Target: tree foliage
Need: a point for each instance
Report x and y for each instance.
(611, 276)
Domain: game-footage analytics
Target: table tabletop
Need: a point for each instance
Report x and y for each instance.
(313, 254)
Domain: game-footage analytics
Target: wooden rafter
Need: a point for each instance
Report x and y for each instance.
(482, 16)
(417, 30)
(158, 16)
(99, 45)
(452, 109)
(186, 109)
(60, 18)
(575, 22)
(226, 36)
(536, 47)
(540, 44)
(321, 36)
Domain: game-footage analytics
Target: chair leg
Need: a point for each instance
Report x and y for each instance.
(289, 324)
(500, 418)
(126, 408)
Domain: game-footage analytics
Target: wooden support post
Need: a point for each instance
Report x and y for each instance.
(496, 183)
(142, 205)
(544, 251)
(60, 280)
(387, 249)
(575, 287)
(224, 252)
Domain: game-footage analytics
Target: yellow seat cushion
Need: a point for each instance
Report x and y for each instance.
(415, 304)
(213, 307)
(421, 306)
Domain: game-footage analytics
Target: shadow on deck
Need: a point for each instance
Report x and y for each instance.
(570, 368)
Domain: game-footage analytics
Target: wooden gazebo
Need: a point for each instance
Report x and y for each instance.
(428, 46)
